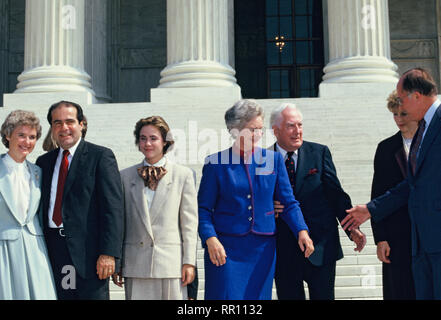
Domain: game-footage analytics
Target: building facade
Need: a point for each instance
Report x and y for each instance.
(189, 60)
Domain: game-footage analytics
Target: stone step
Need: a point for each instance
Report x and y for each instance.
(350, 293)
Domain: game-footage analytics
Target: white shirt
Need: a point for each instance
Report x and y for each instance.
(54, 183)
(407, 143)
(284, 153)
(149, 193)
(20, 184)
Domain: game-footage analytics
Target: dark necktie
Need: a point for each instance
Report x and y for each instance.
(416, 145)
(291, 168)
(151, 175)
(64, 168)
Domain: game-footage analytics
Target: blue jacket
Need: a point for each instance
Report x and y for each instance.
(422, 193)
(236, 197)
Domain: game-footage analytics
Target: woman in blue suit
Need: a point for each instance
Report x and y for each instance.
(25, 272)
(236, 212)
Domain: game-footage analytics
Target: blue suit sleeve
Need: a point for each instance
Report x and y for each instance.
(207, 198)
(388, 203)
(292, 214)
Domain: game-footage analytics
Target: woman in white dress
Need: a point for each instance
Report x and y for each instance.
(25, 272)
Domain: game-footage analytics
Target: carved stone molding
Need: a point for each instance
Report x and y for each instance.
(414, 49)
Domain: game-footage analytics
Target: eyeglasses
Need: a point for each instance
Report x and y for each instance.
(400, 100)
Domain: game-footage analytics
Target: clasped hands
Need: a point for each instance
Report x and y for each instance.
(358, 237)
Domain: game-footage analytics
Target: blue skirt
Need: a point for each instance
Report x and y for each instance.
(248, 273)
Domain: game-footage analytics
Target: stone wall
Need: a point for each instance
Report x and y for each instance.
(414, 35)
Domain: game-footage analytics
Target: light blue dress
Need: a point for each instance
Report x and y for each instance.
(25, 271)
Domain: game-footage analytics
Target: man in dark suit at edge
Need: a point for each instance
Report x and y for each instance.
(417, 92)
(315, 184)
(82, 214)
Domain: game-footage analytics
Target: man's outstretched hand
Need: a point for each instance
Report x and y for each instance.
(356, 216)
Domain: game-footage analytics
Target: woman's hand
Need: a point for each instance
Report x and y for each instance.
(305, 243)
(188, 274)
(216, 251)
(383, 251)
(118, 279)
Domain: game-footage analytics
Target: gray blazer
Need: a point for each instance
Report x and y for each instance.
(157, 242)
(10, 227)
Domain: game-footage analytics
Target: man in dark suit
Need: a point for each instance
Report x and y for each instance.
(421, 189)
(392, 234)
(322, 200)
(82, 205)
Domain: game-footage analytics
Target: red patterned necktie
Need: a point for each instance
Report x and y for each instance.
(291, 168)
(64, 168)
(151, 175)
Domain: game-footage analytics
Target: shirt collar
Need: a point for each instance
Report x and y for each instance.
(283, 151)
(72, 149)
(160, 163)
(431, 112)
(11, 163)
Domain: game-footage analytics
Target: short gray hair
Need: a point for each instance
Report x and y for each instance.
(16, 119)
(241, 113)
(276, 114)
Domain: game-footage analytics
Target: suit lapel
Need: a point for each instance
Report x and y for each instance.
(140, 201)
(35, 192)
(431, 134)
(47, 165)
(161, 194)
(6, 189)
(78, 161)
(399, 153)
(400, 157)
(302, 160)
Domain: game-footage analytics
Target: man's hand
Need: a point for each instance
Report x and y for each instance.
(216, 251)
(359, 238)
(105, 266)
(383, 251)
(305, 243)
(188, 274)
(357, 215)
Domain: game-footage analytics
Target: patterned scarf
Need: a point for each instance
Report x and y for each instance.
(151, 175)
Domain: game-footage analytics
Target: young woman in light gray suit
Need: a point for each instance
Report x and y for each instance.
(25, 271)
(161, 220)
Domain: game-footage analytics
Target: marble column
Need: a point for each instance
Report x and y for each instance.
(54, 48)
(359, 48)
(197, 46)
